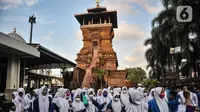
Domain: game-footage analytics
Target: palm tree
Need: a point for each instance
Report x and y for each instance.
(168, 32)
(66, 74)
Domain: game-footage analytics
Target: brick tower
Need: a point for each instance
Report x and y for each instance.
(97, 30)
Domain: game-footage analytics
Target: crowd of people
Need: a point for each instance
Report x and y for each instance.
(109, 99)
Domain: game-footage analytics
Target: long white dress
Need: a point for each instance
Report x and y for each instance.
(116, 103)
(19, 101)
(91, 107)
(124, 95)
(77, 106)
(106, 99)
(135, 103)
(162, 103)
(43, 101)
(60, 101)
(181, 100)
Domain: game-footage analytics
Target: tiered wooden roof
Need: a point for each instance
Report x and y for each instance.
(98, 12)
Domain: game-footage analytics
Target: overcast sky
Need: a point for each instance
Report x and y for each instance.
(58, 30)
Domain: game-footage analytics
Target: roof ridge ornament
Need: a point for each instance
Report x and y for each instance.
(97, 2)
(14, 30)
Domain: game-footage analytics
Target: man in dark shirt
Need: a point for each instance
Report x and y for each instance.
(173, 102)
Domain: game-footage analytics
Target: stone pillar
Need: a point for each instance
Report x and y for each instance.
(37, 83)
(49, 81)
(13, 75)
(92, 21)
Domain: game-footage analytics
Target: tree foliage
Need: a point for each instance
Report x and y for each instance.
(167, 32)
(100, 73)
(64, 68)
(136, 75)
(150, 83)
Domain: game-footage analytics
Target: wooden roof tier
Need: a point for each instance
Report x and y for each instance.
(96, 15)
(97, 9)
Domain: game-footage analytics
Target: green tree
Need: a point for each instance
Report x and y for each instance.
(136, 75)
(168, 32)
(100, 74)
(66, 74)
(64, 67)
(150, 83)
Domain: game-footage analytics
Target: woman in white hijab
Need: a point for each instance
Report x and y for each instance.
(68, 95)
(116, 103)
(105, 101)
(151, 94)
(139, 88)
(36, 92)
(28, 102)
(78, 91)
(144, 92)
(135, 102)
(91, 96)
(14, 95)
(119, 90)
(111, 91)
(99, 95)
(77, 104)
(43, 102)
(49, 94)
(159, 104)
(19, 100)
(72, 95)
(60, 104)
(124, 95)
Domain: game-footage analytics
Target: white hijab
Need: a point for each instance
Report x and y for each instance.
(105, 99)
(19, 101)
(116, 104)
(77, 106)
(119, 89)
(91, 107)
(28, 100)
(88, 92)
(73, 91)
(37, 91)
(99, 97)
(111, 92)
(78, 91)
(145, 100)
(60, 101)
(136, 104)
(162, 104)
(43, 101)
(150, 97)
(124, 96)
(69, 97)
(138, 88)
(15, 94)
